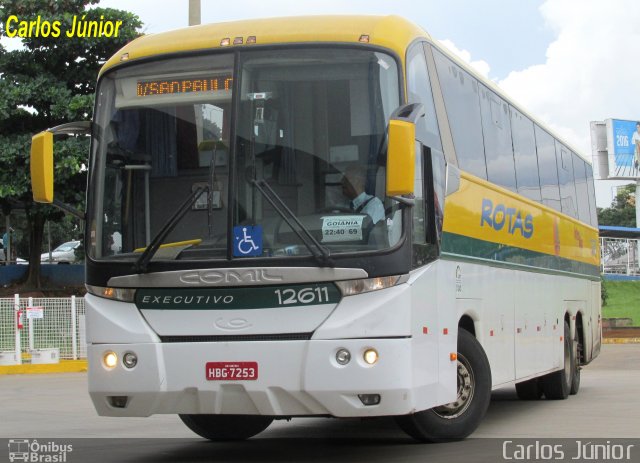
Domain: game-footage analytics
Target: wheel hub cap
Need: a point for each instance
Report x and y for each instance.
(466, 388)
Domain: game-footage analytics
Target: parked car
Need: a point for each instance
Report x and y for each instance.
(63, 254)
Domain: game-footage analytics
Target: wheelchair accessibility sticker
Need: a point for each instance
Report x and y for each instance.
(247, 241)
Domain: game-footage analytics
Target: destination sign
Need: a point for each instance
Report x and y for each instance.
(189, 85)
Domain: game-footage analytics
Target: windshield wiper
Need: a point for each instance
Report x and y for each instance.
(317, 250)
(143, 261)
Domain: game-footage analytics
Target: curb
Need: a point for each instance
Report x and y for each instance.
(65, 366)
(621, 340)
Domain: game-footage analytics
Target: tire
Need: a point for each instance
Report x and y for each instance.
(529, 390)
(577, 355)
(557, 385)
(226, 427)
(458, 419)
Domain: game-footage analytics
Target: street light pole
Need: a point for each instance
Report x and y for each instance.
(194, 12)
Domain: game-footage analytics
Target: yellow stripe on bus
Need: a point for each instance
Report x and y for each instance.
(487, 212)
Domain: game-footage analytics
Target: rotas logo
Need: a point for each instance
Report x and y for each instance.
(510, 219)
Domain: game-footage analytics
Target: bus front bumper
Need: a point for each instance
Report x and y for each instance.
(295, 378)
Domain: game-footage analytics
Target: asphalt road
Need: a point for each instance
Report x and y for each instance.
(56, 408)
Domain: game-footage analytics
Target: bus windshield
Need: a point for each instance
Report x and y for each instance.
(246, 165)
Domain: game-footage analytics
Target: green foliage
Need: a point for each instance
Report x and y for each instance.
(622, 212)
(604, 294)
(50, 81)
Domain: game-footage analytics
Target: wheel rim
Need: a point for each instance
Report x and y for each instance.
(466, 388)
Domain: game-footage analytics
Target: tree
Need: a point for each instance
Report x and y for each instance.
(622, 212)
(49, 82)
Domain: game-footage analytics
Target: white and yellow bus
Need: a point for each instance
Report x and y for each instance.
(326, 216)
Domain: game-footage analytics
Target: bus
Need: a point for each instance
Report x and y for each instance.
(326, 216)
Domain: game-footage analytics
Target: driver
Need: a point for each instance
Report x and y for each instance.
(359, 201)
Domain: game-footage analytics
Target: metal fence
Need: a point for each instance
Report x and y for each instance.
(46, 323)
(620, 256)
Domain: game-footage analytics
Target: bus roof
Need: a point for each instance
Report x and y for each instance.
(392, 32)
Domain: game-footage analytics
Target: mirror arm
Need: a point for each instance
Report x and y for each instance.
(402, 200)
(409, 113)
(72, 128)
(68, 209)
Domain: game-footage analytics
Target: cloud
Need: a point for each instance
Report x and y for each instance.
(480, 66)
(592, 69)
(591, 72)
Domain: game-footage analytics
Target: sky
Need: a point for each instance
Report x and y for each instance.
(568, 62)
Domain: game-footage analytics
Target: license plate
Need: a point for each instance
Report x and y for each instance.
(231, 371)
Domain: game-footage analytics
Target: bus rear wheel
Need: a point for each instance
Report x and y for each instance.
(226, 427)
(529, 390)
(460, 418)
(577, 355)
(557, 385)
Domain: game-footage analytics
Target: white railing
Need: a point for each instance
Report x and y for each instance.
(620, 255)
(46, 323)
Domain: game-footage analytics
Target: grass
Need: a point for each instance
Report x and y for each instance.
(623, 300)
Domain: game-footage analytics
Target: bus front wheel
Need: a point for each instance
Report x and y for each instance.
(460, 418)
(226, 427)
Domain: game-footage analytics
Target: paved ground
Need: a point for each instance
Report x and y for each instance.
(57, 406)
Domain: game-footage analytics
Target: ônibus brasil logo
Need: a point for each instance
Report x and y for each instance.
(38, 452)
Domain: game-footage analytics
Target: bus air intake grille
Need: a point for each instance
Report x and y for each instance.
(239, 338)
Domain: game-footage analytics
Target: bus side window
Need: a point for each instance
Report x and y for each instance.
(498, 147)
(524, 147)
(462, 101)
(427, 213)
(580, 176)
(547, 168)
(567, 183)
(592, 196)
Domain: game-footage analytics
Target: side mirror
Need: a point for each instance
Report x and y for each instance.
(401, 151)
(42, 167)
(42, 158)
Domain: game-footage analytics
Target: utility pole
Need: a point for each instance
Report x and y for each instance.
(194, 12)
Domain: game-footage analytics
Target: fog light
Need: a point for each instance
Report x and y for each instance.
(370, 356)
(369, 399)
(110, 359)
(130, 360)
(118, 401)
(343, 356)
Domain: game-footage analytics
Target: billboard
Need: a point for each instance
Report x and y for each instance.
(623, 147)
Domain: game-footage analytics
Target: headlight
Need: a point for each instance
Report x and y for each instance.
(353, 287)
(117, 294)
